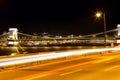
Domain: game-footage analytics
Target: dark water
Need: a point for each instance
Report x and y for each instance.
(28, 50)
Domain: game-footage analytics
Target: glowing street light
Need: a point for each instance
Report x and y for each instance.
(98, 15)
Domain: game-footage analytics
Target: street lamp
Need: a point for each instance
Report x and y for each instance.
(102, 14)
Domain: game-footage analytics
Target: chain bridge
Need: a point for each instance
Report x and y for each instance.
(14, 37)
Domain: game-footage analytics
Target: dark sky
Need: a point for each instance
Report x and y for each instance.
(58, 17)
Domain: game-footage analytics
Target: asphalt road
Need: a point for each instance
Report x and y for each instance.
(105, 66)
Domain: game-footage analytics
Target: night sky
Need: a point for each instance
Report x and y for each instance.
(58, 17)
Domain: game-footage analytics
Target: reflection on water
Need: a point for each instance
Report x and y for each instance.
(9, 50)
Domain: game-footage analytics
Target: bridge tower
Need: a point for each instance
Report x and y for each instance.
(13, 34)
(118, 28)
(118, 34)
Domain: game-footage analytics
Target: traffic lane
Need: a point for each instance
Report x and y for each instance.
(45, 74)
(99, 71)
(84, 74)
(109, 70)
(46, 67)
(39, 68)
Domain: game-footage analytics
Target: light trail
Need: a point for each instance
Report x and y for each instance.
(52, 55)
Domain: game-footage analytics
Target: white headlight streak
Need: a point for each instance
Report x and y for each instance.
(50, 55)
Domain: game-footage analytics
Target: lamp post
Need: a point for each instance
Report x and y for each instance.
(98, 15)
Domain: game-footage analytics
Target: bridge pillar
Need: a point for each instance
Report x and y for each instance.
(13, 34)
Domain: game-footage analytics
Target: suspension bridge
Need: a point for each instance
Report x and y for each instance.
(13, 37)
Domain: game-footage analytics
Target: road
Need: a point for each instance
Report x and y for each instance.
(105, 66)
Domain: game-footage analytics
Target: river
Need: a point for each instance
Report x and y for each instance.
(29, 50)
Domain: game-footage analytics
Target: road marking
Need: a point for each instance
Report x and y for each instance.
(38, 75)
(113, 67)
(107, 59)
(70, 72)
